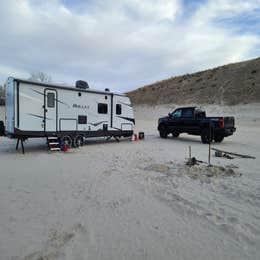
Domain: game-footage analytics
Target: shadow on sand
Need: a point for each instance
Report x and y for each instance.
(39, 145)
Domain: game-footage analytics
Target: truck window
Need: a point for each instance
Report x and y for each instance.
(177, 113)
(118, 109)
(50, 99)
(187, 113)
(102, 108)
(200, 114)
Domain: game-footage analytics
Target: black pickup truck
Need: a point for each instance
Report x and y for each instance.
(193, 121)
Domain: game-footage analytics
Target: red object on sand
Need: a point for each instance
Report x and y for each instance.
(65, 148)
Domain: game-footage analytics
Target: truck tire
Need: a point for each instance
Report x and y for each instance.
(206, 136)
(163, 131)
(218, 138)
(2, 128)
(175, 134)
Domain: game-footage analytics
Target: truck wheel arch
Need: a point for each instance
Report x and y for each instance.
(207, 135)
(218, 138)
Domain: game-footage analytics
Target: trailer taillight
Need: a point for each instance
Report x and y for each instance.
(221, 122)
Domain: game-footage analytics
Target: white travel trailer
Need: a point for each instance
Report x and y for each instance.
(35, 109)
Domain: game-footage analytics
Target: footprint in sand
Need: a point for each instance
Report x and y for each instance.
(56, 244)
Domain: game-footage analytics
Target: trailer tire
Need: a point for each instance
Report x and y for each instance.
(78, 141)
(67, 140)
(218, 138)
(206, 136)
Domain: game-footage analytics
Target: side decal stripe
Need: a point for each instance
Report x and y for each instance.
(128, 119)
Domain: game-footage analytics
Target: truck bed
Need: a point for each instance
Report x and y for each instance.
(229, 121)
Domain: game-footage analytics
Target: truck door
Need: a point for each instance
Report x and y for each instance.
(188, 120)
(50, 110)
(174, 119)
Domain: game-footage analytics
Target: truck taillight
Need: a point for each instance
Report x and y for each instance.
(221, 122)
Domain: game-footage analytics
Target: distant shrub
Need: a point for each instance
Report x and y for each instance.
(253, 71)
(2, 96)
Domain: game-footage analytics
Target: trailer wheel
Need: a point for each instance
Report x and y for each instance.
(78, 141)
(66, 139)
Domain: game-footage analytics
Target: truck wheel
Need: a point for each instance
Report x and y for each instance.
(2, 128)
(175, 135)
(218, 138)
(206, 136)
(163, 131)
(78, 141)
(66, 139)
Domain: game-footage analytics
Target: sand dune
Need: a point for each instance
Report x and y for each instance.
(133, 200)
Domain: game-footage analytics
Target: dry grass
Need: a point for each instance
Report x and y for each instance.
(231, 84)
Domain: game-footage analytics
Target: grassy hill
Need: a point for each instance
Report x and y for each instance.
(237, 83)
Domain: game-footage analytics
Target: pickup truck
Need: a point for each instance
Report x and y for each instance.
(193, 121)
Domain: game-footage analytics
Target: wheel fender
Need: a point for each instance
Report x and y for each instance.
(162, 126)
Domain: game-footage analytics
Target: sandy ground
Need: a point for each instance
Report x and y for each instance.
(133, 200)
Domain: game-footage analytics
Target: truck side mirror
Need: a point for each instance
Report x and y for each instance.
(170, 115)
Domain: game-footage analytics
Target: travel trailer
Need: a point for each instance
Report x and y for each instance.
(35, 109)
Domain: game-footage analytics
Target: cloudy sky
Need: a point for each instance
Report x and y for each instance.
(124, 44)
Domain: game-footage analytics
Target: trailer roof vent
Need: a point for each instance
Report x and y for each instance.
(107, 89)
(82, 84)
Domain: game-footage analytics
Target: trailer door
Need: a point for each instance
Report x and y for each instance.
(50, 110)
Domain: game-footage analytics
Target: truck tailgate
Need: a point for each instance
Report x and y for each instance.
(229, 122)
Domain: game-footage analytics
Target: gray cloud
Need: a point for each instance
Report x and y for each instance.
(119, 44)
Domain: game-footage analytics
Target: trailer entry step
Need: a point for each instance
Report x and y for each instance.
(55, 149)
(53, 143)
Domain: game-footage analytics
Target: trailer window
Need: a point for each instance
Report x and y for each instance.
(102, 108)
(50, 99)
(82, 120)
(118, 109)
